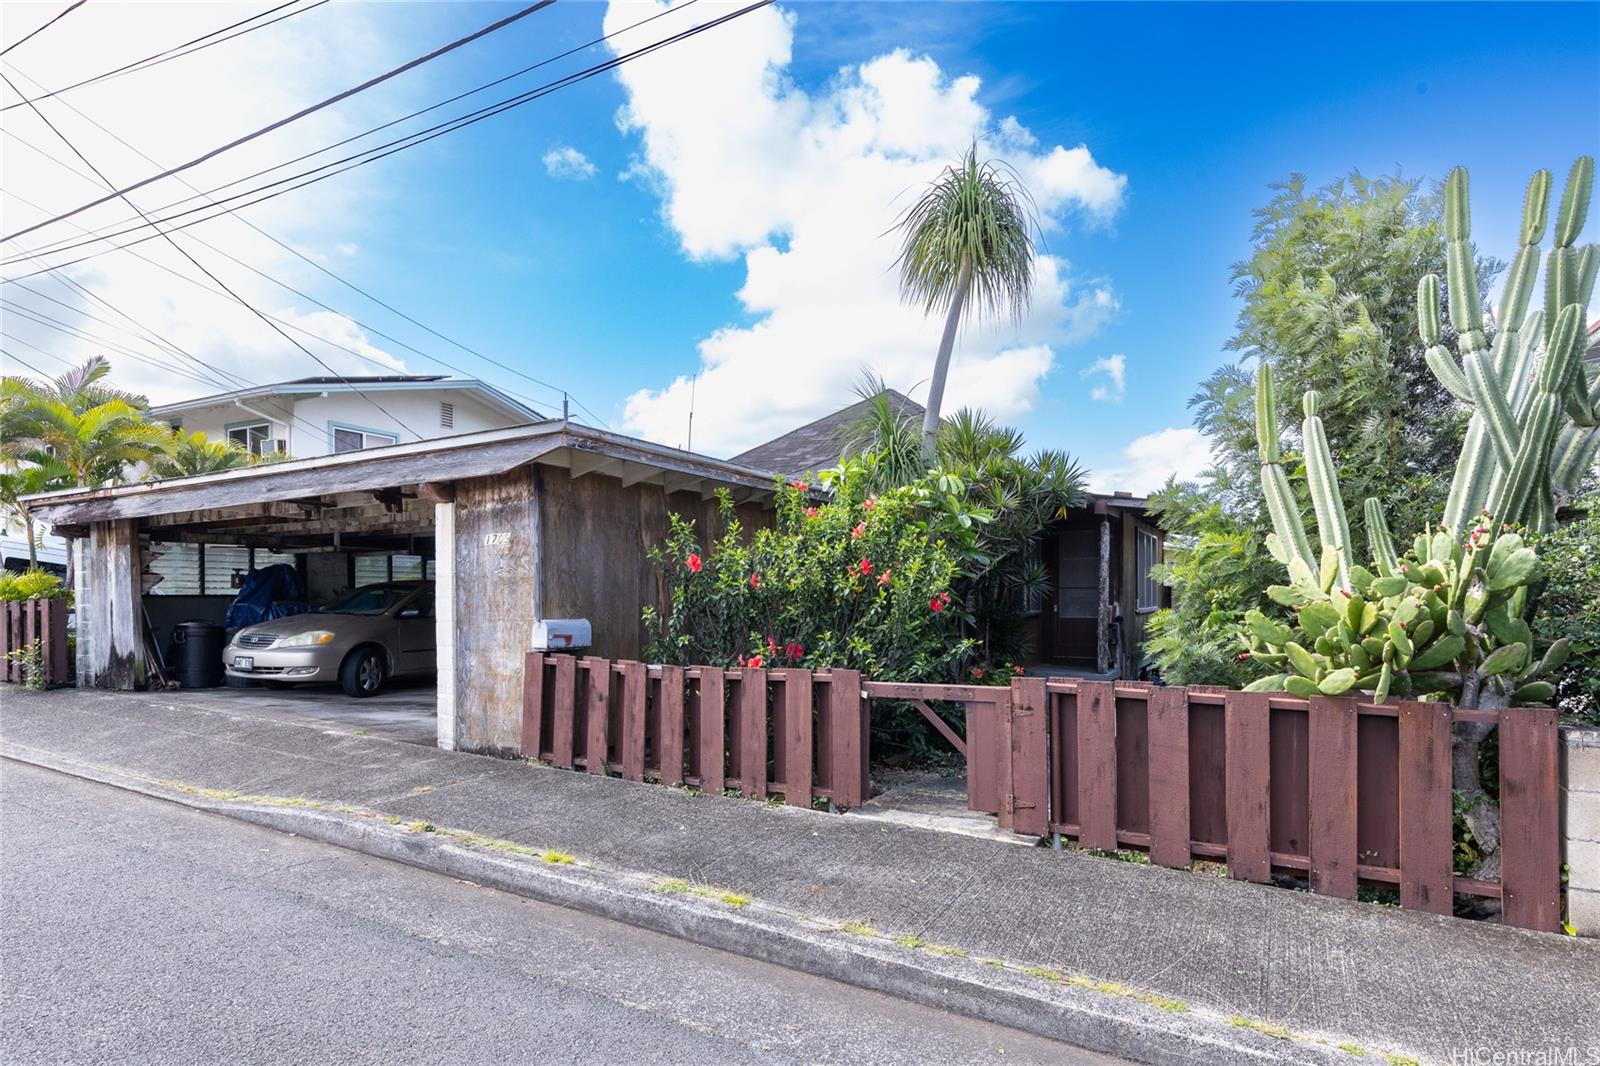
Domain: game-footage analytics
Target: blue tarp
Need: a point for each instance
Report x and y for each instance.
(272, 592)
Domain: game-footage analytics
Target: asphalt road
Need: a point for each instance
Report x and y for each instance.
(138, 931)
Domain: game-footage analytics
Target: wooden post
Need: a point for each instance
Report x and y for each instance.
(109, 600)
(1102, 639)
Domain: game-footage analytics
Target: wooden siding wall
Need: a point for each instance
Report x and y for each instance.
(110, 649)
(496, 598)
(596, 535)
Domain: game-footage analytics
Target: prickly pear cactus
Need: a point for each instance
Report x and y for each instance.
(1444, 621)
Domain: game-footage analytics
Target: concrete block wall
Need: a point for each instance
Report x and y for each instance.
(1580, 826)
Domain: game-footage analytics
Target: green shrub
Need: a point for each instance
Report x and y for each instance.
(30, 585)
(1569, 606)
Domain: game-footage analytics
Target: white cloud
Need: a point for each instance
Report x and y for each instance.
(565, 161)
(802, 186)
(247, 84)
(1115, 368)
(1147, 462)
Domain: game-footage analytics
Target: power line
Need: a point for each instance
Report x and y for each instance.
(202, 268)
(302, 113)
(29, 315)
(18, 359)
(69, 9)
(389, 148)
(177, 51)
(197, 194)
(290, 288)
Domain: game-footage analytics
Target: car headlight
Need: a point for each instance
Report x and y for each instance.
(306, 640)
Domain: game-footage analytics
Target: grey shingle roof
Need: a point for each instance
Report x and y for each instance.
(821, 444)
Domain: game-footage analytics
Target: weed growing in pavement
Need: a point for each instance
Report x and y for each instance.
(673, 886)
(858, 929)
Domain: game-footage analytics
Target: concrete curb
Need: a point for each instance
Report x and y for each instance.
(1108, 1022)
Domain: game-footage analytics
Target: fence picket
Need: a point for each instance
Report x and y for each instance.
(752, 739)
(712, 741)
(847, 725)
(1168, 727)
(532, 702)
(1030, 757)
(797, 735)
(1332, 771)
(1426, 816)
(632, 741)
(1249, 793)
(1097, 765)
(669, 698)
(1530, 832)
(597, 741)
(564, 711)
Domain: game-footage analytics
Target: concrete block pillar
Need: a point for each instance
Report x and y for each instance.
(1580, 827)
(444, 611)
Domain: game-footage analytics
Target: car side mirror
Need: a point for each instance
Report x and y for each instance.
(411, 612)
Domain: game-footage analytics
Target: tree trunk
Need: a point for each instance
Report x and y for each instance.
(941, 365)
(33, 549)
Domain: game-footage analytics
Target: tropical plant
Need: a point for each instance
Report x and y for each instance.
(1007, 498)
(189, 454)
(34, 473)
(970, 235)
(98, 444)
(1326, 298)
(1448, 619)
(31, 584)
(1535, 425)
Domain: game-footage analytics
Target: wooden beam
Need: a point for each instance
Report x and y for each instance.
(637, 473)
(438, 491)
(584, 463)
(680, 483)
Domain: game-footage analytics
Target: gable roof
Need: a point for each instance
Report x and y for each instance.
(513, 408)
(821, 444)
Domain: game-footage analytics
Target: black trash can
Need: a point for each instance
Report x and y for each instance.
(199, 646)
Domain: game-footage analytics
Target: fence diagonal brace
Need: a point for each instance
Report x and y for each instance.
(942, 726)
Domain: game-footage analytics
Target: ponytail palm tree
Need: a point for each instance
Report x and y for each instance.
(970, 237)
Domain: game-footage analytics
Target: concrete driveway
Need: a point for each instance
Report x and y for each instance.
(404, 710)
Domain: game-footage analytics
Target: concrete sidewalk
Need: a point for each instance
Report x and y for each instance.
(1167, 965)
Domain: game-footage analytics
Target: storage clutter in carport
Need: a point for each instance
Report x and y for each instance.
(271, 592)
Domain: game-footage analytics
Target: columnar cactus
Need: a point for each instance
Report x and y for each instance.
(1535, 427)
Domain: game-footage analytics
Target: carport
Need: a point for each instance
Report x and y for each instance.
(550, 520)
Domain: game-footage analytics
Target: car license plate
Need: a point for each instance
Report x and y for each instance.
(244, 662)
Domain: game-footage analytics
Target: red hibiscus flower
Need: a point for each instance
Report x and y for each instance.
(693, 562)
(883, 578)
(755, 581)
(799, 486)
(754, 662)
(936, 605)
(865, 566)
(860, 530)
(870, 503)
(811, 512)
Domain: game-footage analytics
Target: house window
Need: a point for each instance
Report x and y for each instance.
(225, 567)
(354, 440)
(371, 569)
(1147, 553)
(253, 437)
(178, 566)
(405, 568)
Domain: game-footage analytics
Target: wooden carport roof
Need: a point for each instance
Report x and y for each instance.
(581, 449)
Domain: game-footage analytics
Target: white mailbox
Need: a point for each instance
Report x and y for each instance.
(561, 634)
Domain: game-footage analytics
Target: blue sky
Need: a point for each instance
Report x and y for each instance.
(609, 283)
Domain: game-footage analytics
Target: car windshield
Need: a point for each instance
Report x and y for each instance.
(373, 599)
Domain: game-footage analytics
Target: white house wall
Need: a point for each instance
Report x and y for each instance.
(404, 411)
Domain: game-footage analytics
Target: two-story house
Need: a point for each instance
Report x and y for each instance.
(323, 415)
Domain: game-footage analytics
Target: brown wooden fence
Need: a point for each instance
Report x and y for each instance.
(798, 733)
(22, 622)
(1332, 790)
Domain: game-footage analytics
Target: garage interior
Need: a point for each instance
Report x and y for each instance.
(548, 521)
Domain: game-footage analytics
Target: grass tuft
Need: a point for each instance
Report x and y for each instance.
(857, 929)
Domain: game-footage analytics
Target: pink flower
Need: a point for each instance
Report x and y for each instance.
(755, 581)
(693, 562)
(811, 512)
(883, 578)
(753, 662)
(860, 530)
(772, 647)
(793, 651)
(799, 486)
(865, 566)
(870, 503)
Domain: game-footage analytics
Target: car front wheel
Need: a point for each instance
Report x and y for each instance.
(362, 673)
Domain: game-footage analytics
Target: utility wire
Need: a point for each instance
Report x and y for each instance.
(203, 269)
(177, 51)
(421, 111)
(381, 151)
(18, 359)
(290, 288)
(69, 9)
(27, 314)
(280, 123)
